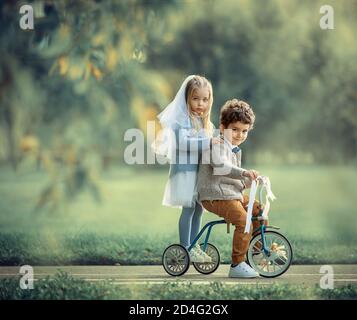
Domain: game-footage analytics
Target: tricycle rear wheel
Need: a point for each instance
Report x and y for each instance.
(176, 260)
(208, 267)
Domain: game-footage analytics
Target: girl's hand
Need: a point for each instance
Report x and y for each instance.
(252, 174)
(216, 140)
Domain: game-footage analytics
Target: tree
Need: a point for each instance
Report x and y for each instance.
(70, 83)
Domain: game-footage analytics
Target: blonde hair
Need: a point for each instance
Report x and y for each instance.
(198, 82)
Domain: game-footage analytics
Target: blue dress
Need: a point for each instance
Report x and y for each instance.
(181, 187)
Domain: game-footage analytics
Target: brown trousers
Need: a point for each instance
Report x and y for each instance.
(234, 211)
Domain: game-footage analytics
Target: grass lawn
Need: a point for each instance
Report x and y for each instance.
(314, 208)
(63, 286)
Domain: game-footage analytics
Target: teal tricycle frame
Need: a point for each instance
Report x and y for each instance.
(269, 252)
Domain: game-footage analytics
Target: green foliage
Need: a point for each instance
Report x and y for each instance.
(93, 69)
(296, 76)
(70, 86)
(63, 286)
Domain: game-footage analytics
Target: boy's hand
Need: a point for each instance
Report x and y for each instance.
(252, 174)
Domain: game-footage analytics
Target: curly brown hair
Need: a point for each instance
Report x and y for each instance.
(236, 110)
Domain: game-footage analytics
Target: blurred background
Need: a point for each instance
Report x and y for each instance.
(90, 70)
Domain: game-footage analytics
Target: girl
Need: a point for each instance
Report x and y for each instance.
(186, 121)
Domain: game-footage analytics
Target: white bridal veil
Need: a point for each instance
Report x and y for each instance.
(175, 114)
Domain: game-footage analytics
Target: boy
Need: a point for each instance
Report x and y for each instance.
(221, 181)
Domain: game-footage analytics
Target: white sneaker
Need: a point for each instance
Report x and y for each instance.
(242, 270)
(205, 256)
(195, 256)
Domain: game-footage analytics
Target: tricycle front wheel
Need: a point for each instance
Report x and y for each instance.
(279, 258)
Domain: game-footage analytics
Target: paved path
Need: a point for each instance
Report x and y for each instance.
(297, 274)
